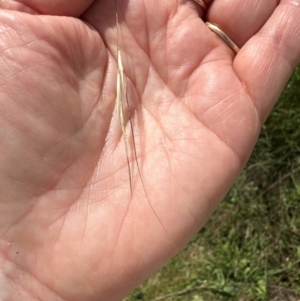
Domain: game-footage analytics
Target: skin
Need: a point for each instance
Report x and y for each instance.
(69, 227)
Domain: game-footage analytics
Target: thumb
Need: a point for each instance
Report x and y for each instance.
(46, 7)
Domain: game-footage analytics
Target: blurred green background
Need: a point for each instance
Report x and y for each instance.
(250, 248)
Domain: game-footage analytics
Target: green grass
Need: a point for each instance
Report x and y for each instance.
(250, 248)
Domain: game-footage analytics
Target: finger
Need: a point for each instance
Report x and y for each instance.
(55, 7)
(267, 60)
(240, 19)
(200, 5)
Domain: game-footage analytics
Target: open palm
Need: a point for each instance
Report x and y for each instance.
(70, 228)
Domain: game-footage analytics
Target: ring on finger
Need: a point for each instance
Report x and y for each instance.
(223, 35)
(202, 4)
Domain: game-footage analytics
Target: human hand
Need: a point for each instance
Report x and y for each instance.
(69, 227)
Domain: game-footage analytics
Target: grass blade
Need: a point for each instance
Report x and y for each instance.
(121, 91)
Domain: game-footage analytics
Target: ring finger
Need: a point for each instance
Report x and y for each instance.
(240, 19)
